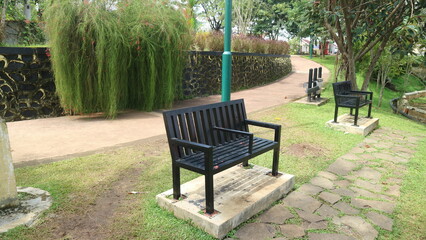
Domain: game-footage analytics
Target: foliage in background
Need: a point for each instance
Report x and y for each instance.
(360, 27)
(243, 14)
(240, 43)
(32, 34)
(270, 18)
(113, 60)
(214, 12)
(30, 19)
(295, 45)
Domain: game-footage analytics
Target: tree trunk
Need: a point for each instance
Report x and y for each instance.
(3, 20)
(336, 68)
(373, 63)
(351, 72)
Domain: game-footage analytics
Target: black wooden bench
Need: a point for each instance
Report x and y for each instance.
(344, 96)
(211, 138)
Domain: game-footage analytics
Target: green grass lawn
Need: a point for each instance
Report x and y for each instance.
(76, 184)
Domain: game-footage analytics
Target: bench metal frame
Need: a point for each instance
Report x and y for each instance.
(211, 138)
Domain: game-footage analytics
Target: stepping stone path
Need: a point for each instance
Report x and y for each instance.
(351, 200)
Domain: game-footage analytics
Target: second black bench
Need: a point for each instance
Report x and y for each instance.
(345, 97)
(211, 138)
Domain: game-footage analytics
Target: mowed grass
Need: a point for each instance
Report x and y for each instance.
(75, 184)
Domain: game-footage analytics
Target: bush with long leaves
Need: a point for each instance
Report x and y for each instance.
(110, 56)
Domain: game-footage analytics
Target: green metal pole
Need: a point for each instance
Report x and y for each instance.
(227, 55)
(311, 47)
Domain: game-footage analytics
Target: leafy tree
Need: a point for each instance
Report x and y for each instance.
(359, 27)
(214, 12)
(244, 11)
(270, 18)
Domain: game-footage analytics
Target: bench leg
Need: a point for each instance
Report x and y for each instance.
(336, 110)
(209, 193)
(369, 110)
(356, 117)
(351, 112)
(245, 163)
(275, 161)
(176, 182)
(276, 157)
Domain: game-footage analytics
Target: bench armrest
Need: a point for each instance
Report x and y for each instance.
(263, 124)
(364, 93)
(347, 96)
(193, 145)
(250, 135)
(276, 127)
(206, 149)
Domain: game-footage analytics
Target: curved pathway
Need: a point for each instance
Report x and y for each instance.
(52, 139)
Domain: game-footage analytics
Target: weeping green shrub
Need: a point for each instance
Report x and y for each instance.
(106, 59)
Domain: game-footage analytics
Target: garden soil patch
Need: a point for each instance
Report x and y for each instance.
(304, 150)
(94, 223)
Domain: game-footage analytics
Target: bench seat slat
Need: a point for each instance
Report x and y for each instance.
(352, 103)
(227, 154)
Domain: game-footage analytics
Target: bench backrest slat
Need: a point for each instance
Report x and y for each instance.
(196, 124)
(342, 88)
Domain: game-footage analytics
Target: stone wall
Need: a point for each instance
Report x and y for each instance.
(203, 76)
(27, 88)
(412, 111)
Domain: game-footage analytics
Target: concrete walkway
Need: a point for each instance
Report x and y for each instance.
(52, 139)
(334, 205)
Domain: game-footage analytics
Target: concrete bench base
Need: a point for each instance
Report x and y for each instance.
(240, 193)
(346, 121)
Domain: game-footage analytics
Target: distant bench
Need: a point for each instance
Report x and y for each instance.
(344, 96)
(313, 86)
(211, 138)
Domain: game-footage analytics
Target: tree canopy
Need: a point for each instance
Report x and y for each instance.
(360, 27)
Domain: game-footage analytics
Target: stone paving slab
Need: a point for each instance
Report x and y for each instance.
(329, 197)
(341, 167)
(310, 189)
(302, 201)
(322, 182)
(346, 208)
(380, 220)
(309, 216)
(327, 211)
(329, 236)
(315, 225)
(278, 214)
(256, 231)
(292, 231)
(360, 226)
